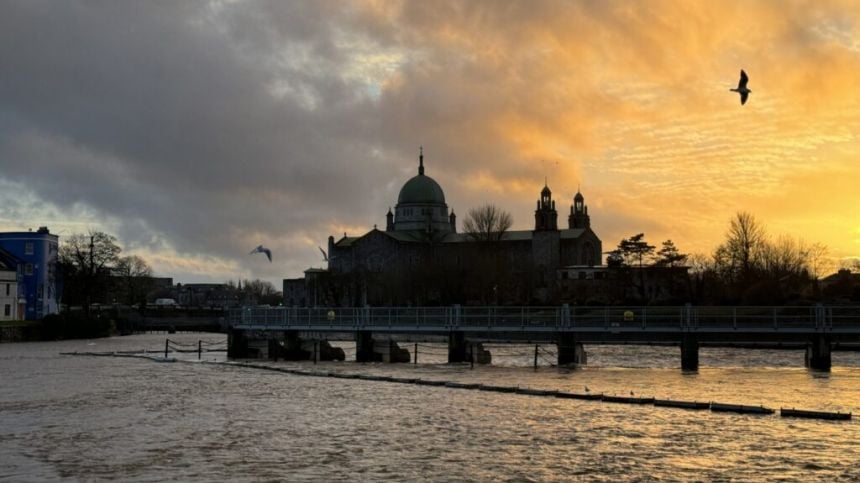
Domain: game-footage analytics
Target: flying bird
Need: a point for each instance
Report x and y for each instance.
(325, 256)
(742, 87)
(262, 249)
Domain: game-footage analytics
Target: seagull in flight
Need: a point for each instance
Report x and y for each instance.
(262, 249)
(325, 255)
(742, 87)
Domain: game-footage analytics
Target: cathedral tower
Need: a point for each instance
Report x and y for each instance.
(578, 213)
(546, 218)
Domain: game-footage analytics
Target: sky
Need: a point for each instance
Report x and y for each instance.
(194, 131)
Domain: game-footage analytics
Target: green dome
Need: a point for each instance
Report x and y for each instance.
(421, 189)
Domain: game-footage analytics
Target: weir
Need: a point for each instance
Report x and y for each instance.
(376, 331)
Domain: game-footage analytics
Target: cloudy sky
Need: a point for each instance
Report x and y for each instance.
(196, 130)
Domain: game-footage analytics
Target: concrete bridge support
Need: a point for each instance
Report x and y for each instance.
(457, 348)
(570, 351)
(480, 355)
(237, 344)
(818, 353)
(689, 354)
(369, 350)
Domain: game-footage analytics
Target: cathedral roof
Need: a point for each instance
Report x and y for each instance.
(421, 189)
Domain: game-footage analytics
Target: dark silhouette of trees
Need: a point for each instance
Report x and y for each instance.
(487, 223)
(749, 267)
(84, 263)
(262, 291)
(132, 279)
(635, 249)
(669, 255)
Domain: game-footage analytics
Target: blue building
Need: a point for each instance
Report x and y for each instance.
(36, 255)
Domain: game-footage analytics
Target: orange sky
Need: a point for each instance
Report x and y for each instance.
(632, 101)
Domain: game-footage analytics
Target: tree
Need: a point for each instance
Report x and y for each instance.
(134, 279)
(744, 245)
(487, 223)
(263, 291)
(669, 255)
(84, 262)
(635, 248)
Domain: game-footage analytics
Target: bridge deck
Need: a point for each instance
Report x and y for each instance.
(588, 323)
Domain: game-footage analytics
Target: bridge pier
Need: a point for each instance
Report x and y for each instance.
(818, 353)
(369, 350)
(457, 349)
(570, 351)
(689, 354)
(479, 354)
(237, 344)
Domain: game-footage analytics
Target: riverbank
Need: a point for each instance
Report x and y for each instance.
(71, 325)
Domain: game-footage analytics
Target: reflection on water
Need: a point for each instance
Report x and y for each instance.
(64, 417)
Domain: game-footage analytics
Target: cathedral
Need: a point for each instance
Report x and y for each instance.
(421, 259)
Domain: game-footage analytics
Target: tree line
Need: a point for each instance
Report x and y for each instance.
(93, 270)
(749, 266)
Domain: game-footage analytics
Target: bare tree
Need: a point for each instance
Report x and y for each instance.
(487, 223)
(84, 261)
(745, 243)
(818, 261)
(135, 278)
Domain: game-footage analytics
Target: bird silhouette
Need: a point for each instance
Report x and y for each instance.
(262, 249)
(742, 87)
(325, 256)
(586, 389)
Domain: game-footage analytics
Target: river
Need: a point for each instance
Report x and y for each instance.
(106, 418)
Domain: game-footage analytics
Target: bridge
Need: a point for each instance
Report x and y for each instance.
(303, 332)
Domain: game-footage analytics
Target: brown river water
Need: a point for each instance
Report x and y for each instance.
(106, 418)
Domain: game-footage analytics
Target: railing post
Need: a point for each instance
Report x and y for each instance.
(565, 315)
(689, 315)
(199, 349)
(819, 316)
(166, 346)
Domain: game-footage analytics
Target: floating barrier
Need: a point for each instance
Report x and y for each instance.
(405, 380)
(584, 397)
(628, 400)
(503, 389)
(669, 403)
(462, 385)
(535, 392)
(803, 413)
(740, 408)
(426, 382)
(696, 405)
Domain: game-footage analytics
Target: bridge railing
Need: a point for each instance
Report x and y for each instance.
(669, 318)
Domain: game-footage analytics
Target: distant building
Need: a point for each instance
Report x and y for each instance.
(36, 255)
(599, 285)
(10, 303)
(216, 295)
(842, 286)
(420, 258)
